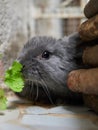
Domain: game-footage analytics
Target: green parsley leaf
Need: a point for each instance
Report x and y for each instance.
(17, 67)
(13, 77)
(3, 100)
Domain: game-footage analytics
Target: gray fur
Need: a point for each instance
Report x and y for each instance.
(49, 76)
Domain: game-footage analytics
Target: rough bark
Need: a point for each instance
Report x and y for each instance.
(89, 29)
(91, 8)
(84, 80)
(91, 101)
(90, 56)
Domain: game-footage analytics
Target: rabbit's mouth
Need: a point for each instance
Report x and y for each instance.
(37, 92)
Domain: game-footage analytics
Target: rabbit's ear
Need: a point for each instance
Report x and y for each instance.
(72, 40)
(75, 39)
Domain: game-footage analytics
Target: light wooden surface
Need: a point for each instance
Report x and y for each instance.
(21, 115)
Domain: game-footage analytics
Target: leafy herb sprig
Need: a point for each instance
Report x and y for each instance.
(3, 100)
(13, 77)
(14, 80)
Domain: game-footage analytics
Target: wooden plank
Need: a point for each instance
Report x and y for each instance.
(70, 12)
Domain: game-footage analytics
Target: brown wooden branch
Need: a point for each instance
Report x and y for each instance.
(91, 8)
(89, 29)
(90, 55)
(91, 101)
(84, 80)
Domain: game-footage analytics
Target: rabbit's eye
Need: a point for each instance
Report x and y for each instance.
(46, 54)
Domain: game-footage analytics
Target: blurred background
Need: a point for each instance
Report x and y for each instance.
(20, 20)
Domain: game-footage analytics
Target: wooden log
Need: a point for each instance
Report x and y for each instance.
(90, 56)
(89, 29)
(84, 80)
(91, 8)
(91, 101)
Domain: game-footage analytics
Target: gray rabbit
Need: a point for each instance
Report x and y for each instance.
(46, 63)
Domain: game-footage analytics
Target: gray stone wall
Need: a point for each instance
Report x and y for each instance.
(13, 28)
(17, 25)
